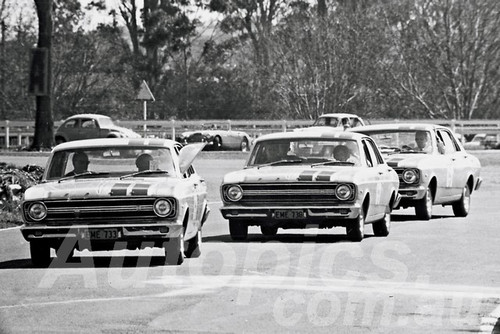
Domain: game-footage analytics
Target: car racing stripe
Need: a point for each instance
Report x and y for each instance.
(306, 175)
(324, 176)
(119, 189)
(140, 189)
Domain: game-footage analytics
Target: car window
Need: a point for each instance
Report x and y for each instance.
(371, 157)
(356, 122)
(327, 121)
(88, 123)
(70, 124)
(376, 153)
(449, 142)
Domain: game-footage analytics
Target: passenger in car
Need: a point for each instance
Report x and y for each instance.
(422, 141)
(143, 162)
(341, 153)
(80, 163)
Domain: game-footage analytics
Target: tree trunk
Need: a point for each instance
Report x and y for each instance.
(44, 124)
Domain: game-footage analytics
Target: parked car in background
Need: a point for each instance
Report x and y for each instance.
(306, 179)
(218, 139)
(432, 165)
(89, 126)
(483, 141)
(339, 121)
(107, 194)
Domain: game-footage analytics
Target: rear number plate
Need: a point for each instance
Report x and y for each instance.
(289, 214)
(102, 234)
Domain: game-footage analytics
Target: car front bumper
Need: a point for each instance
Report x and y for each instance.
(310, 213)
(121, 232)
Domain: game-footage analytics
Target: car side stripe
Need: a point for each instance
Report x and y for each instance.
(306, 175)
(120, 189)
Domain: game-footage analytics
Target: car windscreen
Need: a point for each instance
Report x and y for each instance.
(404, 141)
(110, 161)
(326, 121)
(306, 151)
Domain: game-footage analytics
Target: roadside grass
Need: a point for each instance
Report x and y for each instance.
(10, 219)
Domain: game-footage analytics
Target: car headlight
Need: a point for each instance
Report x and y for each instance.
(234, 193)
(410, 176)
(343, 192)
(163, 207)
(37, 211)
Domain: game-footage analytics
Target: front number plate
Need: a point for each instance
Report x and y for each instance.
(102, 234)
(289, 214)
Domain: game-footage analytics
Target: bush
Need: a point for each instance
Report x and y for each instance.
(13, 183)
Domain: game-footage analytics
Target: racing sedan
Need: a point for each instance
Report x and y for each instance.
(320, 179)
(432, 165)
(108, 194)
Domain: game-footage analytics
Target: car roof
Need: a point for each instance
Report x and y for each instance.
(340, 115)
(327, 133)
(88, 116)
(397, 126)
(113, 142)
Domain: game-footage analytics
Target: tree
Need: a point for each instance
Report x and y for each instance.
(445, 56)
(44, 124)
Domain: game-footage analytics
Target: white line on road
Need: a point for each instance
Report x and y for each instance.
(10, 228)
(205, 284)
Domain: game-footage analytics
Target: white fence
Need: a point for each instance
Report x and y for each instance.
(20, 133)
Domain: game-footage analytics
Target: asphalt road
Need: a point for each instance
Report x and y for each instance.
(437, 276)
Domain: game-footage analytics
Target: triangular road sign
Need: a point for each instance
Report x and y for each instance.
(144, 93)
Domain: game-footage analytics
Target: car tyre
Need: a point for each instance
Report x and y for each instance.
(40, 254)
(356, 229)
(382, 227)
(238, 230)
(192, 246)
(174, 251)
(269, 230)
(461, 207)
(423, 207)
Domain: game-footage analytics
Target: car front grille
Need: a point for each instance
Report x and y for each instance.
(121, 210)
(291, 194)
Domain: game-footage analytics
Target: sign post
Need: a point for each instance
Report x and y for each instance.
(145, 95)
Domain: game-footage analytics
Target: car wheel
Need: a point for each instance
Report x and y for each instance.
(217, 143)
(269, 230)
(192, 246)
(238, 230)
(174, 251)
(423, 207)
(461, 207)
(40, 254)
(382, 227)
(356, 229)
(244, 145)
